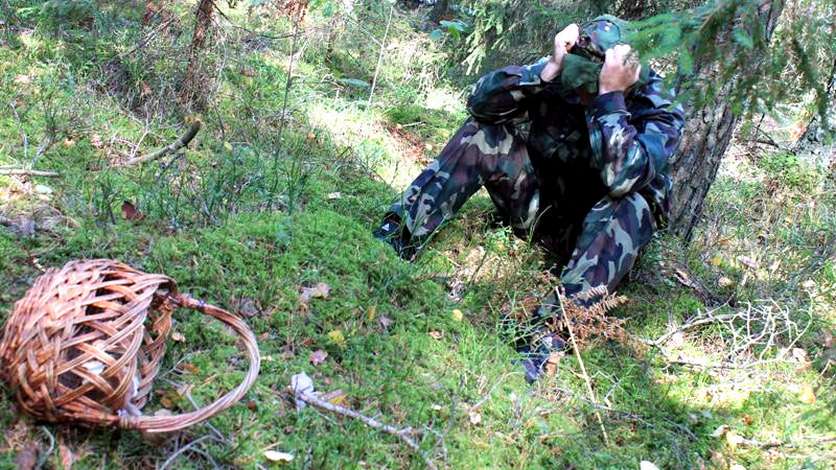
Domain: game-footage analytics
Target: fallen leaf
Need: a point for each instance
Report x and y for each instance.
(737, 466)
(827, 339)
(806, 395)
(67, 456)
(747, 420)
(130, 212)
(724, 282)
(436, 334)
(252, 405)
(163, 412)
(715, 260)
(337, 337)
(276, 456)
(799, 355)
(552, 362)
(336, 195)
(385, 321)
(189, 368)
(748, 262)
(319, 291)
(27, 458)
(475, 417)
(177, 336)
(734, 439)
(318, 357)
(457, 315)
(337, 397)
(720, 431)
(645, 465)
(248, 308)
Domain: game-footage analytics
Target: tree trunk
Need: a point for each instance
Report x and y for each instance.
(193, 88)
(812, 136)
(708, 131)
(439, 10)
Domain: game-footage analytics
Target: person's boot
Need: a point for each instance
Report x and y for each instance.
(392, 233)
(538, 351)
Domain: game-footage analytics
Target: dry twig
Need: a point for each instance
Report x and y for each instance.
(583, 367)
(25, 172)
(181, 142)
(302, 388)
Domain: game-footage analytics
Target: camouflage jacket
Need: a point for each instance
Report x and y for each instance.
(619, 143)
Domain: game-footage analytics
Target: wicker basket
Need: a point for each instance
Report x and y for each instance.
(87, 340)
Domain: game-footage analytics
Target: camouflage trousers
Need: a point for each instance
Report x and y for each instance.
(598, 246)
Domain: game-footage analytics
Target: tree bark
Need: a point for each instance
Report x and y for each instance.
(811, 137)
(708, 131)
(439, 10)
(192, 90)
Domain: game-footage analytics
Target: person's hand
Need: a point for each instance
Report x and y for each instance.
(563, 43)
(621, 69)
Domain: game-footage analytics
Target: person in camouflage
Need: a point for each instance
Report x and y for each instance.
(573, 152)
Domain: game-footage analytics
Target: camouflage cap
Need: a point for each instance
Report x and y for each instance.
(600, 34)
(582, 66)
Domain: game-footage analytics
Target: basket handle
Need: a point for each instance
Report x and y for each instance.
(159, 424)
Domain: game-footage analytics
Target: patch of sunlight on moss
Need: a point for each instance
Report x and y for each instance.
(443, 99)
(369, 139)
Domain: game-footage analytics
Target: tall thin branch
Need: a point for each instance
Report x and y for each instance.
(380, 55)
(591, 392)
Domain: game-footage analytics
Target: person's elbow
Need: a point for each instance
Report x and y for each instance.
(620, 187)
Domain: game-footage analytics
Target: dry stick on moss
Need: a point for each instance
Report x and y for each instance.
(583, 367)
(25, 172)
(170, 148)
(402, 434)
(380, 55)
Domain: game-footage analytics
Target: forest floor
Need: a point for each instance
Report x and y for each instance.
(279, 192)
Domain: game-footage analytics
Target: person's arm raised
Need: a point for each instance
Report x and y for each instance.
(500, 95)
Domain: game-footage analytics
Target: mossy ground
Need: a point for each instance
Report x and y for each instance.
(255, 209)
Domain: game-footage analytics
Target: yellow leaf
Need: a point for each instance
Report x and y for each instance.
(228, 146)
(716, 260)
(458, 315)
(806, 395)
(337, 337)
(371, 313)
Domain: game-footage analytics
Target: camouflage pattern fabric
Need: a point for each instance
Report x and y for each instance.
(590, 182)
(492, 155)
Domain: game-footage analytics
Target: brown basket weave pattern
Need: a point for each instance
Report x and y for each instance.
(87, 340)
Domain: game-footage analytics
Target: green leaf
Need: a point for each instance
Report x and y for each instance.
(742, 37)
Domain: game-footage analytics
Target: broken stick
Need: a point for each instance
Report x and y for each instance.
(25, 172)
(302, 388)
(181, 142)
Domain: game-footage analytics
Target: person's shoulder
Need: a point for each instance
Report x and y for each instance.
(654, 93)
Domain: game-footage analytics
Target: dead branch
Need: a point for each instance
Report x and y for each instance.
(761, 325)
(25, 172)
(568, 322)
(181, 142)
(302, 388)
(380, 54)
